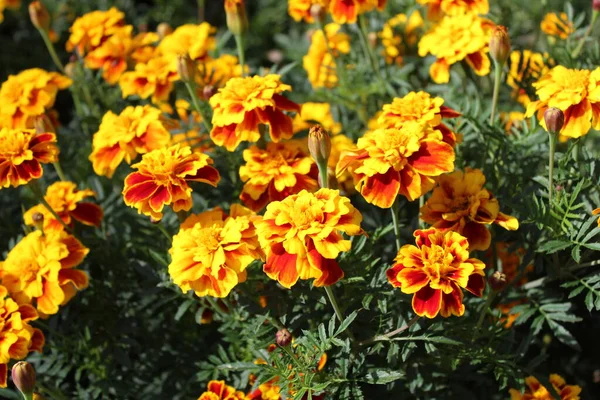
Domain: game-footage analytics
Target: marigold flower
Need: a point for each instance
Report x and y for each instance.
(461, 204)
(212, 250)
(455, 7)
(596, 212)
(137, 130)
(92, 29)
(111, 56)
(216, 72)
(576, 92)
(513, 119)
(558, 25)
(316, 113)
(526, 67)
(27, 95)
(41, 268)
(142, 48)
(318, 62)
(11, 5)
(22, 153)
(535, 390)
(302, 236)
(245, 103)
(398, 32)
(152, 79)
(339, 145)
(389, 162)
(456, 38)
(347, 11)
(163, 178)
(66, 200)
(218, 390)
(267, 391)
(300, 9)
(194, 40)
(273, 173)
(435, 270)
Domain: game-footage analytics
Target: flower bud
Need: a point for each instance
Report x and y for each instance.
(372, 39)
(497, 281)
(71, 70)
(163, 29)
(283, 337)
(23, 376)
(43, 124)
(500, 44)
(40, 18)
(208, 91)
(38, 220)
(554, 119)
(319, 145)
(237, 20)
(317, 12)
(596, 5)
(186, 68)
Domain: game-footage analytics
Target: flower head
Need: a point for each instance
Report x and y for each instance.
(318, 63)
(389, 161)
(163, 177)
(41, 268)
(194, 40)
(111, 56)
(67, 201)
(212, 250)
(526, 67)
(535, 390)
(558, 25)
(316, 113)
(455, 7)
(218, 390)
(302, 236)
(22, 153)
(576, 92)
(273, 173)
(347, 11)
(456, 38)
(300, 9)
(245, 103)
(216, 72)
(92, 29)
(154, 78)
(398, 33)
(267, 391)
(435, 271)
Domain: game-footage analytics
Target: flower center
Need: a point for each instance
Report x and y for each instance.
(208, 239)
(14, 147)
(436, 260)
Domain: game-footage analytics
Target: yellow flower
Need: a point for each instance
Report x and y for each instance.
(302, 236)
(535, 390)
(455, 7)
(525, 67)
(267, 391)
(558, 25)
(245, 103)
(193, 40)
(216, 72)
(29, 94)
(396, 32)
(576, 92)
(11, 5)
(111, 56)
(300, 9)
(218, 390)
(92, 29)
(318, 63)
(339, 145)
(41, 268)
(456, 38)
(272, 174)
(152, 79)
(316, 113)
(142, 47)
(347, 11)
(137, 130)
(212, 250)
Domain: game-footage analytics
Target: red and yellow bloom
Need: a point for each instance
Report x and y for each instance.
(218, 390)
(435, 271)
(193, 40)
(300, 9)
(152, 79)
(347, 11)
(535, 390)
(436, 8)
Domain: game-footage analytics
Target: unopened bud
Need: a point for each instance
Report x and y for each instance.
(237, 20)
(372, 38)
(283, 337)
(186, 68)
(40, 18)
(319, 145)
(208, 91)
(500, 44)
(163, 29)
(596, 5)
(71, 70)
(317, 12)
(38, 220)
(43, 124)
(554, 119)
(497, 281)
(23, 376)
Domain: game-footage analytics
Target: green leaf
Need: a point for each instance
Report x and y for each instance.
(346, 323)
(381, 377)
(183, 307)
(553, 246)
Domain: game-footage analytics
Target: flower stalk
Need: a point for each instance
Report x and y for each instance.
(191, 87)
(497, 79)
(554, 119)
(395, 209)
(393, 333)
(500, 51)
(362, 32)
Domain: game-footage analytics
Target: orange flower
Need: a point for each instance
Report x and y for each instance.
(555, 24)
(212, 250)
(455, 7)
(17, 337)
(163, 178)
(22, 153)
(218, 390)
(92, 29)
(461, 204)
(435, 270)
(535, 390)
(66, 200)
(347, 11)
(137, 130)
(276, 172)
(302, 236)
(142, 47)
(389, 162)
(41, 268)
(156, 79)
(193, 40)
(267, 391)
(245, 103)
(300, 9)
(111, 56)
(318, 62)
(596, 212)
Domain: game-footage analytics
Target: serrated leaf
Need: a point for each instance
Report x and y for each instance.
(346, 323)
(381, 377)
(183, 307)
(552, 246)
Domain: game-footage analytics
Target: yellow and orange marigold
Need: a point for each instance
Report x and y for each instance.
(302, 236)
(347, 11)
(216, 72)
(318, 62)
(300, 9)
(454, 39)
(536, 391)
(398, 33)
(137, 130)
(92, 29)
(244, 104)
(273, 173)
(155, 78)
(40, 268)
(435, 271)
(525, 67)
(163, 177)
(194, 40)
(437, 8)
(389, 162)
(267, 391)
(461, 204)
(557, 25)
(112, 55)
(218, 390)
(22, 153)
(316, 113)
(576, 92)
(212, 250)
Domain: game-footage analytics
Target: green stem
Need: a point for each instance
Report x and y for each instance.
(497, 78)
(59, 171)
(239, 42)
(579, 47)
(35, 188)
(388, 335)
(164, 231)
(421, 204)
(551, 167)
(191, 86)
(51, 50)
(395, 211)
(201, 10)
(334, 303)
(487, 305)
(362, 32)
(27, 396)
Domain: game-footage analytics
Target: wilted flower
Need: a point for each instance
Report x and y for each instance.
(461, 204)
(218, 390)
(194, 40)
(66, 200)
(525, 67)
(301, 9)
(156, 79)
(273, 173)
(558, 25)
(302, 236)
(535, 390)
(212, 250)
(398, 33)
(316, 113)
(455, 7)
(347, 11)
(41, 268)
(137, 130)
(497, 281)
(245, 103)
(22, 153)
(92, 29)
(318, 62)
(435, 271)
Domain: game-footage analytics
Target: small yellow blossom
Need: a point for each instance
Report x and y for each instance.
(557, 25)
(318, 63)
(399, 33)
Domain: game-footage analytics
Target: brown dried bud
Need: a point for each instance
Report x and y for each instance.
(319, 145)
(596, 5)
(43, 124)
(186, 68)
(283, 337)
(23, 376)
(209, 91)
(500, 44)
(237, 20)
(40, 18)
(497, 281)
(318, 12)
(163, 29)
(38, 220)
(554, 119)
